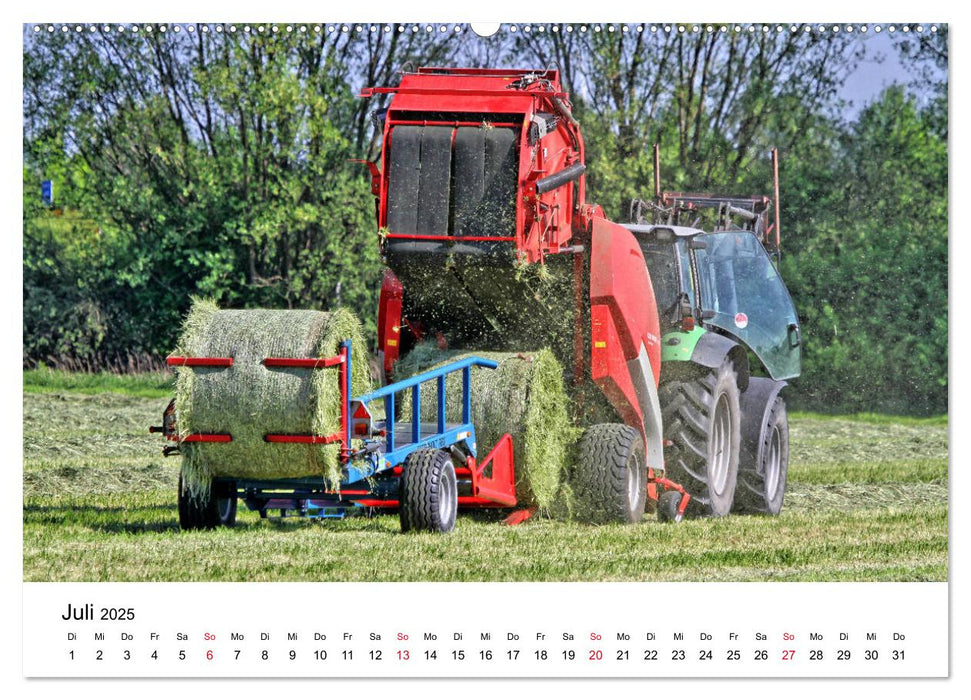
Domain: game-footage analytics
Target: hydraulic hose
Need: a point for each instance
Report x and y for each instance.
(558, 179)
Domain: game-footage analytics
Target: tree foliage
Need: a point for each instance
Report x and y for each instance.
(871, 267)
(215, 164)
(219, 164)
(716, 101)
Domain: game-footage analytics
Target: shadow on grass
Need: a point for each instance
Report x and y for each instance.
(485, 515)
(138, 528)
(101, 518)
(116, 520)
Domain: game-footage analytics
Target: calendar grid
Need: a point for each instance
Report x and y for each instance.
(477, 630)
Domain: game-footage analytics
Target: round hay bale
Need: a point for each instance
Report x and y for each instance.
(249, 400)
(524, 397)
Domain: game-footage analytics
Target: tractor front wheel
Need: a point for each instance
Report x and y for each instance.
(429, 492)
(610, 483)
(702, 427)
(206, 512)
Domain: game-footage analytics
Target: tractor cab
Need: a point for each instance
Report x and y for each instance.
(740, 292)
(727, 282)
(724, 280)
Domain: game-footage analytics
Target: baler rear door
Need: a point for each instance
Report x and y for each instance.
(459, 184)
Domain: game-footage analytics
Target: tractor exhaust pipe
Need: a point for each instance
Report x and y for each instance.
(657, 172)
(743, 213)
(775, 194)
(558, 179)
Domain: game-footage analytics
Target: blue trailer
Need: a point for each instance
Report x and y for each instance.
(424, 469)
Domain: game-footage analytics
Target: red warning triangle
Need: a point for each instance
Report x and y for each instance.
(362, 411)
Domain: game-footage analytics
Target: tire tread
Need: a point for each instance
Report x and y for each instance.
(201, 514)
(750, 495)
(606, 453)
(687, 402)
(421, 491)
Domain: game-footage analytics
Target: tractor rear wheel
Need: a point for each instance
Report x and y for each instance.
(702, 426)
(429, 492)
(217, 508)
(762, 487)
(610, 483)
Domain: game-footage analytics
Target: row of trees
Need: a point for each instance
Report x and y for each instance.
(219, 163)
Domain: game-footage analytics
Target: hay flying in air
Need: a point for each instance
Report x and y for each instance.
(249, 400)
(524, 396)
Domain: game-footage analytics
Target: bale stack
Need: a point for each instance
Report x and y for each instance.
(524, 396)
(249, 400)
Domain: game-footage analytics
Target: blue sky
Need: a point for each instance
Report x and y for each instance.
(880, 69)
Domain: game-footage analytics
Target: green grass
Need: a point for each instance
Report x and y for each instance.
(135, 537)
(153, 385)
(867, 501)
(831, 449)
(874, 418)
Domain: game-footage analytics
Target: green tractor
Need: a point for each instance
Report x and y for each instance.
(730, 342)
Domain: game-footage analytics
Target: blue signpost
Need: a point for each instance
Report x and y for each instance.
(47, 192)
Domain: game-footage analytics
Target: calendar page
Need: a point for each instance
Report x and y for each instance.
(619, 630)
(367, 349)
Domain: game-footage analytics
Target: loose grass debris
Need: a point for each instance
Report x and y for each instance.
(524, 396)
(853, 496)
(249, 400)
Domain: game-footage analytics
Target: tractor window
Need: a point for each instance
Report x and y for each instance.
(687, 276)
(742, 286)
(709, 292)
(662, 264)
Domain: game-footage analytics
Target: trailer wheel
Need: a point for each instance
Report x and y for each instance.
(701, 418)
(611, 478)
(429, 492)
(216, 509)
(762, 487)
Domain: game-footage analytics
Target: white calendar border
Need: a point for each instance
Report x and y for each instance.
(830, 10)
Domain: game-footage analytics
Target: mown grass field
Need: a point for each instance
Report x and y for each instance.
(867, 501)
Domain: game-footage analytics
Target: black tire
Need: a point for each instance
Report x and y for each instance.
(701, 417)
(610, 482)
(217, 509)
(429, 492)
(667, 507)
(762, 487)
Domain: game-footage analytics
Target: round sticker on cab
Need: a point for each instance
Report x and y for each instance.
(741, 320)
